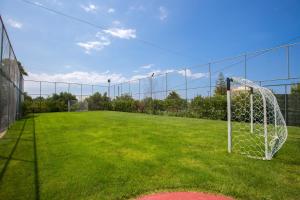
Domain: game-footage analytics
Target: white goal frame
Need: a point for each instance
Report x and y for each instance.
(256, 127)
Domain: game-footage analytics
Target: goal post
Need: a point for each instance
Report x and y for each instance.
(77, 106)
(256, 127)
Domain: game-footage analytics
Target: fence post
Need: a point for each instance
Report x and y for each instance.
(2, 37)
(285, 104)
(251, 109)
(8, 106)
(288, 60)
(245, 66)
(54, 87)
(228, 116)
(129, 88)
(166, 84)
(139, 89)
(114, 91)
(40, 96)
(186, 94)
(151, 85)
(209, 71)
(108, 89)
(80, 92)
(68, 87)
(121, 89)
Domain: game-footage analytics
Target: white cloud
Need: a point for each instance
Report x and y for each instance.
(121, 33)
(111, 10)
(79, 77)
(94, 45)
(191, 75)
(116, 22)
(137, 8)
(89, 8)
(14, 23)
(147, 66)
(163, 13)
(38, 3)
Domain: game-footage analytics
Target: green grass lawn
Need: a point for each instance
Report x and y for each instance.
(113, 155)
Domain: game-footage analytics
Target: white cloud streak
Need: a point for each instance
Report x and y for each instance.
(89, 8)
(94, 45)
(103, 38)
(111, 10)
(14, 24)
(121, 33)
(79, 77)
(191, 75)
(147, 66)
(163, 13)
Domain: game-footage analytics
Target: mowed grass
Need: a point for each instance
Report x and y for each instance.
(113, 155)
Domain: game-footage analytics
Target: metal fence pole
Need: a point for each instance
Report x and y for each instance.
(121, 89)
(55, 88)
(245, 66)
(139, 89)
(186, 94)
(129, 88)
(285, 104)
(2, 37)
(209, 71)
(288, 60)
(8, 106)
(80, 92)
(166, 84)
(68, 87)
(40, 96)
(114, 91)
(151, 86)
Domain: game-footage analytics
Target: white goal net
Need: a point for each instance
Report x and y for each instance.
(77, 106)
(256, 127)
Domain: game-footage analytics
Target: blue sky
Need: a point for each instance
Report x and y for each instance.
(55, 48)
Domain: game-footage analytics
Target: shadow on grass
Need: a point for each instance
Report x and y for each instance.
(14, 148)
(12, 151)
(36, 171)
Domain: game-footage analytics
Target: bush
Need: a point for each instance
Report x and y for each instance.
(200, 107)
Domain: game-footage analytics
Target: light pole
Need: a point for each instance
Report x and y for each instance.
(108, 89)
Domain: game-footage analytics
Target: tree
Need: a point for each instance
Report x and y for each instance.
(220, 85)
(21, 68)
(99, 102)
(174, 102)
(295, 89)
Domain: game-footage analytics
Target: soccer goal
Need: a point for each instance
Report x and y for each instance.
(256, 127)
(77, 106)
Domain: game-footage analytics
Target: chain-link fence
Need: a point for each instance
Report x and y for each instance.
(195, 86)
(11, 83)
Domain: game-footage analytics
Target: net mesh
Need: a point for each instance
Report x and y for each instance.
(77, 106)
(258, 127)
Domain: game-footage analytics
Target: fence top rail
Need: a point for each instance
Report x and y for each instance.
(278, 79)
(71, 83)
(283, 84)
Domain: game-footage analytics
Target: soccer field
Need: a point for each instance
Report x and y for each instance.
(114, 155)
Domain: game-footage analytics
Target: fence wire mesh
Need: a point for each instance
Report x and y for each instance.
(11, 83)
(279, 64)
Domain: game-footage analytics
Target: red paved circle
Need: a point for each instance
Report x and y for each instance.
(184, 196)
